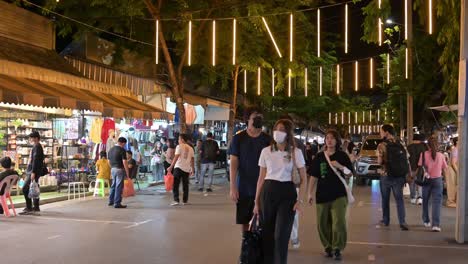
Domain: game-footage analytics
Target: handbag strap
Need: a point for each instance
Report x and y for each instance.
(335, 171)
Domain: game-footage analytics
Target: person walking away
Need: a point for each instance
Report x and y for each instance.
(182, 167)
(7, 170)
(169, 154)
(209, 154)
(276, 198)
(197, 160)
(33, 172)
(331, 195)
(103, 166)
(394, 158)
(244, 153)
(119, 171)
(415, 150)
(435, 163)
(451, 176)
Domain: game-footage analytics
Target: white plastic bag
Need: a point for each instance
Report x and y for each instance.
(34, 190)
(406, 190)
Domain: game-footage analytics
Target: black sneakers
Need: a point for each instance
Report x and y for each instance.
(338, 255)
(328, 253)
(209, 190)
(404, 227)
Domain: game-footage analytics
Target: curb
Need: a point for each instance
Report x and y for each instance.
(50, 200)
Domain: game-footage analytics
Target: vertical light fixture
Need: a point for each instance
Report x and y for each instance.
(380, 31)
(342, 118)
(306, 89)
(291, 21)
(336, 118)
(356, 76)
(356, 118)
(371, 73)
(337, 79)
(272, 82)
(378, 115)
(406, 19)
(329, 118)
(234, 36)
(388, 68)
(272, 38)
(320, 81)
(406, 63)
(385, 114)
(190, 43)
(289, 82)
(245, 81)
(259, 83)
(346, 28)
(430, 17)
(370, 116)
(213, 60)
(157, 42)
(380, 4)
(318, 32)
(363, 117)
(349, 117)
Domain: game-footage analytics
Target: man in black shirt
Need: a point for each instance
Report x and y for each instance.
(209, 154)
(119, 171)
(415, 150)
(7, 171)
(33, 172)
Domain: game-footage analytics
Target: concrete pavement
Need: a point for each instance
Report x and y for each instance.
(150, 231)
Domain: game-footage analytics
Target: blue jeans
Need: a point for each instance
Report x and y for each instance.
(118, 177)
(392, 184)
(434, 189)
(158, 172)
(210, 167)
(415, 190)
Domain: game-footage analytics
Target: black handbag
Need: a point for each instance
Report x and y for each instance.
(45, 170)
(421, 178)
(251, 249)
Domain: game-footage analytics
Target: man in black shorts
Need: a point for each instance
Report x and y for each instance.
(244, 153)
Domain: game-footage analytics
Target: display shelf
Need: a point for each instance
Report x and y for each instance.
(38, 128)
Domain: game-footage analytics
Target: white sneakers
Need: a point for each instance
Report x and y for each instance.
(296, 244)
(436, 229)
(427, 224)
(413, 201)
(419, 201)
(175, 204)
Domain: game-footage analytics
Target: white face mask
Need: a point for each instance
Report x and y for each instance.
(279, 136)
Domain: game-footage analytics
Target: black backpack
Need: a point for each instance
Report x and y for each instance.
(397, 160)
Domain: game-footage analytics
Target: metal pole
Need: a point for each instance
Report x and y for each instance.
(461, 228)
(409, 98)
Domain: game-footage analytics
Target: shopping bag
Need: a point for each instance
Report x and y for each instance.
(406, 190)
(128, 189)
(251, 249)
(169, 181)
(34, 190)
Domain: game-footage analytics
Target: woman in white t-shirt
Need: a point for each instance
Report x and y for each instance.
(183, 165)
(277, 200)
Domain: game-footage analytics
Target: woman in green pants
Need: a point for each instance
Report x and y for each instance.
(331, 196)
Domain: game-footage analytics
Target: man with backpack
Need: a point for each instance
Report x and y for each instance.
(209, 153)
(393, 156)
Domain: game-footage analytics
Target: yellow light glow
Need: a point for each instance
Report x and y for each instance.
(329, 118)
(406, 19)
(272, 82)
(234, 35)
(356, 118)
(338, 79)
(380, 31)
(349, 117)
(380, 4)
(291, 21)
(430, 17)
(336, 118)
(157, 42)
(359, 129)
(363, 117)
(370, 116)
(259, 82)
(388, 68)
(289, 82)
(354, 129)
(371, 73)
(385, 114)
(378, 115)
(272, 38)
(356, 76)
(342, 118)
(406, 63)
(318, 32)
(346, 28)
(245, 81)
(306, 90)
(190, 44)
(213, 61)
(320, 81)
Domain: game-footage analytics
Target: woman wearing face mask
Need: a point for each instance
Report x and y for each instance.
(276, 198)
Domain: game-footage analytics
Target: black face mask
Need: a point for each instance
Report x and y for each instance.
(258, 122)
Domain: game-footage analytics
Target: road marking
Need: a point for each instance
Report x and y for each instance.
(404, 245)
(138, 224)
(86, 220)
(54, 237)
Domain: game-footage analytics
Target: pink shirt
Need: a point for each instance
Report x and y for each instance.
(434, 167)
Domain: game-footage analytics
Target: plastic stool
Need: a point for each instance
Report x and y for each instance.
(100, 187)
(77, 188)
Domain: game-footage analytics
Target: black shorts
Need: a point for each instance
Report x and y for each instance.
(245, 206)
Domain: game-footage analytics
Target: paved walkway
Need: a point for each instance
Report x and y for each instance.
(150, 231)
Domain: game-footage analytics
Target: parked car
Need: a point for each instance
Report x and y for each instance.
(367, 167)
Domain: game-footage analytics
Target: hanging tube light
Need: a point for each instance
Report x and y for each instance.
(190, 44)
(318, 32)
(272, 82)
(272, 38)
(346, 28)
(157, 42)
(234, 36)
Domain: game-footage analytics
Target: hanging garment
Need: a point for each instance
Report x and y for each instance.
(108, 125)
(96, 129)
(190, 114)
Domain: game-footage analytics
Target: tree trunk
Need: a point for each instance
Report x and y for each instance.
(233, 107)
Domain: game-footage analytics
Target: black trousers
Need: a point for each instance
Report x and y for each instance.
(277, 204)
(29, 201)
(166, 166)
(180, 175)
